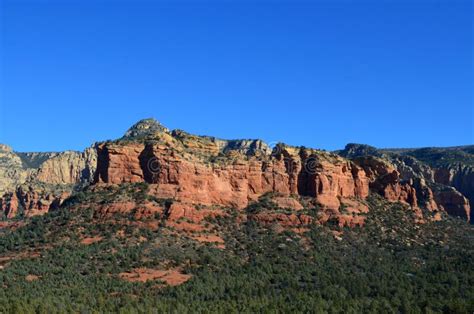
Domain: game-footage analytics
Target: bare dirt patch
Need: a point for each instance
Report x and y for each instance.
(90, 240)
(185, 226)
(31, 278)
(210, 238)
(172, 277)
(5, 259)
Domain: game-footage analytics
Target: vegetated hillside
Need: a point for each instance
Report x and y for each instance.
(433, 156)
(440, 156)
(80, 258)
(174, 222)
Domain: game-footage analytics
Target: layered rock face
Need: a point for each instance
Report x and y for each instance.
(68, 168)
(31, 200)
(461, 177)
(119, 163)
(442, 179)
(386, 180)
(205, 171)
(174, 173)
(208, 171)
(453, 202)
(34, 183)
(11, 169)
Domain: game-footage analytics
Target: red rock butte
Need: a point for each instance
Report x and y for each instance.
(200, 170)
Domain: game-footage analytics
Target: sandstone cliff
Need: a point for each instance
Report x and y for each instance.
(206, 171)
(11, 169)
(236, 182)
(33, 183)
(442, 177)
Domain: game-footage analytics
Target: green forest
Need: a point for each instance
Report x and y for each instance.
(389, 266)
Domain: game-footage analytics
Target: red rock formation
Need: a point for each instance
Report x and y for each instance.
(108, 210)
(295, 220)
(9, 205)
(287, 202)
(38, 202)
(461, 178)
(350, 221)
(119, 163)
(33, 182)
(185, 177)
(292, 220)
(198, 173)
(385, 180)
(425, 195)
(453, 202)
(31, 201)
(341, 179)
(145, 210)
(178, 211)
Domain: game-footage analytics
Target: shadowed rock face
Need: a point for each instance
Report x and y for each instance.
(385, 180)
(442, 177)
(453, 202)
(207, 171)
(460, 177)
(119, 163)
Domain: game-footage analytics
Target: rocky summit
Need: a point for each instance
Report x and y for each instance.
(167, 221)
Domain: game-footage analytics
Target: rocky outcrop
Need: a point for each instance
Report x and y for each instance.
(31, 201)
(386, 180)
(33, 183)
(143, 210)
(145, 129)
(287, 203)
(186, 177)
(353, 150)
(9, 205)
(119, 163)
(453, 202)
(351, 214)
(443, 179)
(191, 213)
(39, 201)
(206, 171)
(213, 145)
(11, 170)
(5, 148)
(460, 177)
(415, 190)
(335, 179)
(68, 167)
(209, 171)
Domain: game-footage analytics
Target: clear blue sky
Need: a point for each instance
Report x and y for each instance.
(313, 73)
